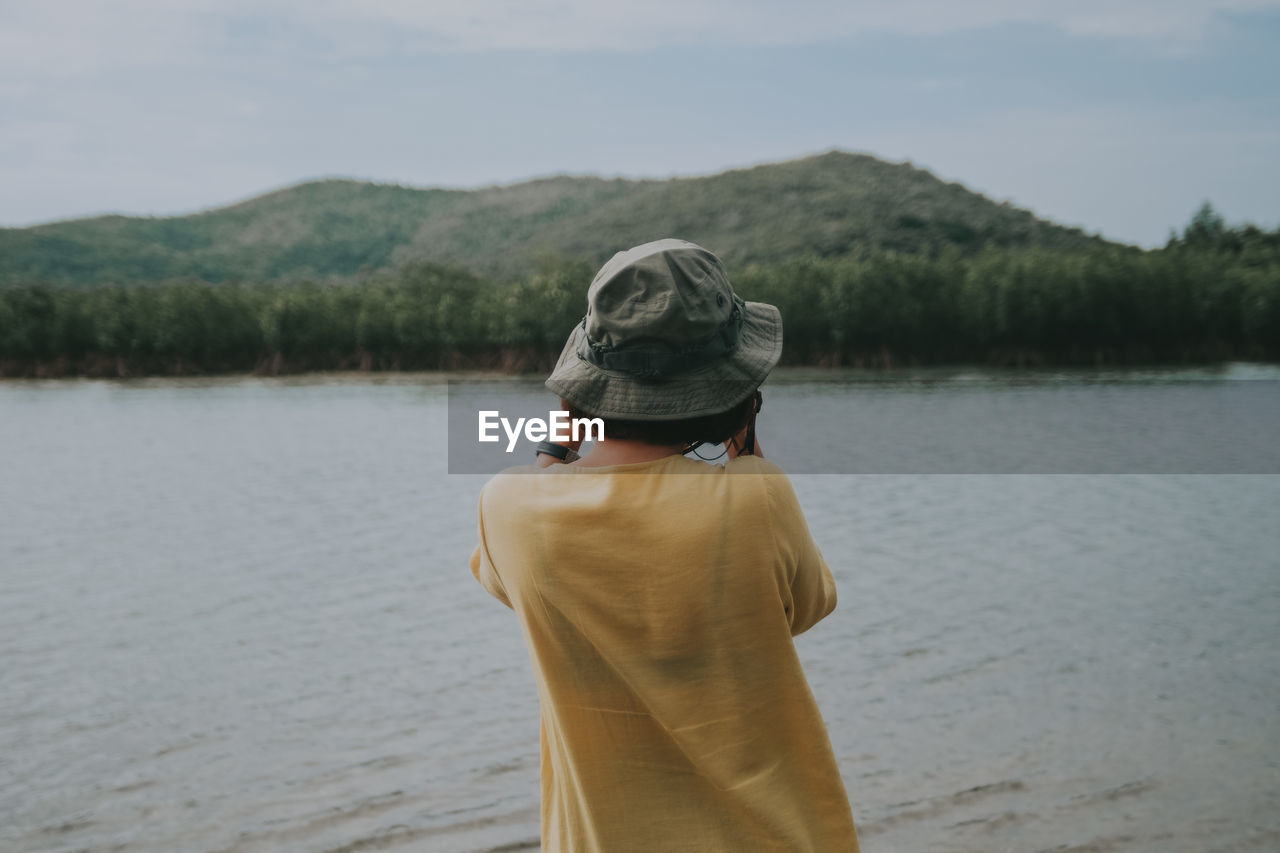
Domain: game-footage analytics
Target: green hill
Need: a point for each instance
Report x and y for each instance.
(834, 204)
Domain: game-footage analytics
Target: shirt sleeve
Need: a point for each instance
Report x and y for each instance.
(811, 585)
(482, 565)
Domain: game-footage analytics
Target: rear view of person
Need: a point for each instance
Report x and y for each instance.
(658, 594)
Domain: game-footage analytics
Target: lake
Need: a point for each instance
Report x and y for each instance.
(236, 615)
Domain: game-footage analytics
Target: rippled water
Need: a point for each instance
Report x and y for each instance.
(237, 616)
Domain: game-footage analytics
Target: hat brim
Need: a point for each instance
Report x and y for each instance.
(707, 390)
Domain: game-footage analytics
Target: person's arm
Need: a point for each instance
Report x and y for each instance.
(545, 460)
(549, 453)
(482, 565)
(810, 582)
(811, 586)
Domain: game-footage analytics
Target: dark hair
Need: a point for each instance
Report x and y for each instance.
(707, 429)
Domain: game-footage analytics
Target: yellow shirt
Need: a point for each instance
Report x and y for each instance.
(658, 601)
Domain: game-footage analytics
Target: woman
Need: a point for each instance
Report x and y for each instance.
(659, 594)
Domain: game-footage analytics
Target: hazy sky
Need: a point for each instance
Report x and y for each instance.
(1119, 116)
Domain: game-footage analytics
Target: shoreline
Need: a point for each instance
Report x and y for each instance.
(527, 360)
(1235, 370)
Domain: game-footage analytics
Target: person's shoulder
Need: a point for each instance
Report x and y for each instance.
(778, 491)
(753, 465)
(509, 481)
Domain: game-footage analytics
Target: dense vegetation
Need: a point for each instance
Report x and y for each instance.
(831, 205)
(1211, 293)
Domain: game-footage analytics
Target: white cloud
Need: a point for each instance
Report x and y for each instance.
(76, 37)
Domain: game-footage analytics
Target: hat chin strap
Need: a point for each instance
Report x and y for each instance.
(653, 363)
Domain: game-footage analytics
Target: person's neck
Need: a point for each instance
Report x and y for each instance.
(621, 451)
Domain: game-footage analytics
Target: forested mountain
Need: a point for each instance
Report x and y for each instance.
(831, 205)
(871, 263)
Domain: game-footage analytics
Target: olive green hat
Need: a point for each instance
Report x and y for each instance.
(666, 338)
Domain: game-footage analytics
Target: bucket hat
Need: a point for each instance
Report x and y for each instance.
(666, 338)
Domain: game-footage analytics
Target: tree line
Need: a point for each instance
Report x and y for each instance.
(1212, 293)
